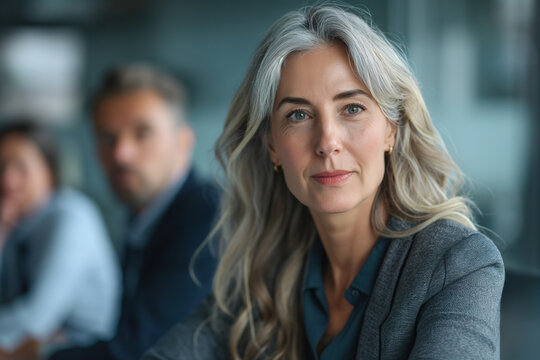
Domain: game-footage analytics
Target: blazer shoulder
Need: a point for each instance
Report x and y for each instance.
(444, 237)
(197, 196)
(444, 233)
(452, 251)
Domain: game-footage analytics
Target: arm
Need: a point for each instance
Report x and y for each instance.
(192, 339)
(29, 350)
(41, 312)
(167, 294)
(461, 319)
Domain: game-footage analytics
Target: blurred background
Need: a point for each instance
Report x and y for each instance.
(477, 63)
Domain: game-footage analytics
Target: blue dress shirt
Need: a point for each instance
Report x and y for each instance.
(315, 307)
(59, 273)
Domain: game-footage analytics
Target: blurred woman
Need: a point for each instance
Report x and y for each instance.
(344, 236)
(58, 272)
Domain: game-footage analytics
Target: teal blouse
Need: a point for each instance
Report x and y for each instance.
(315, 307)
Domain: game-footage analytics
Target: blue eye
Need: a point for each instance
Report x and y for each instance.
(297, 115)
(353, 109)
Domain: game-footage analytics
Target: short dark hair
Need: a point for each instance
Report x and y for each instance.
(134, 77)
(41, 136)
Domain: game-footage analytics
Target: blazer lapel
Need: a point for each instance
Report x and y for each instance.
(170, 218)
(380, 301)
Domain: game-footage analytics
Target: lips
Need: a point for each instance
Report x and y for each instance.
(335, 177)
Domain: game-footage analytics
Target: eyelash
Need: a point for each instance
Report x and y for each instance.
(302, 111)
(296, 111)
(348, 106)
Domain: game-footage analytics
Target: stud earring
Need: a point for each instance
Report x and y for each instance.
(277, 167)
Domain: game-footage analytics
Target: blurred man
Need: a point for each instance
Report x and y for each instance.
(145, 146)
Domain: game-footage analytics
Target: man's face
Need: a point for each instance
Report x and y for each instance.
(141, 145)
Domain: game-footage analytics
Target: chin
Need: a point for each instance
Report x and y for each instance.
(333, 207)
(342, 203)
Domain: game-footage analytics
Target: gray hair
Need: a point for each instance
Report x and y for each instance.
(267, 231)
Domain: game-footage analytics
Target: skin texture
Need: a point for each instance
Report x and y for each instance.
(26, 180)
(325, 120)
(142, 145)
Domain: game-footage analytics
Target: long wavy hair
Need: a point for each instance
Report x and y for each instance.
(267, 232)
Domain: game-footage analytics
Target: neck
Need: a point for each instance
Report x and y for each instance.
(176, 174)
(348, 239)
(41, 199)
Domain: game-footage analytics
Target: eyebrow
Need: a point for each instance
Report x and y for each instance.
(293, 100)
(351, 93)
(343, 95)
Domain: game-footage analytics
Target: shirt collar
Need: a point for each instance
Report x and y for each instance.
(363, 281)
(365, 278)
(142, 224)
(315, 265)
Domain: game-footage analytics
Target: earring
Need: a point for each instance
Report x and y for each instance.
(390, 150)
(277, 167)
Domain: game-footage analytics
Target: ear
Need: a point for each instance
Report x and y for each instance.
(269, 143)
(390, 136)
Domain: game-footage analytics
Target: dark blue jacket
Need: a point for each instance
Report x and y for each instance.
(165, 293)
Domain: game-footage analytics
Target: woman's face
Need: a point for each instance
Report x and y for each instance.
(328, 133)
(25, 178)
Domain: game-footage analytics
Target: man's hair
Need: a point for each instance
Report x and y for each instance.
(135, 77)
(39, 135)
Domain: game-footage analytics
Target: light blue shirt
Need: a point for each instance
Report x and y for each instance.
(59, 273)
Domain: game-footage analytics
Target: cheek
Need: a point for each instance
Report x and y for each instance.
(294, 158)
(151, 153)
(106, 155)
(23, 185)
(373, 147)
(293, 155)
(158, 158)
(368, 149)
(29, 188)
(40, 176)
(160, 145)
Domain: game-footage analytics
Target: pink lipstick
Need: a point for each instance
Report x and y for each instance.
(335, 177)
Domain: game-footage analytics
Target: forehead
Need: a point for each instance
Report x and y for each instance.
(19, 147)
(325, 68)
(131, 109)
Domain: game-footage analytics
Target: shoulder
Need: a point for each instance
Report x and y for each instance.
(73, 220)
(447, 251)
(73, 204)
(185, 223)
(193, 338)
(449, 240)
(196, 202)
(199, 189)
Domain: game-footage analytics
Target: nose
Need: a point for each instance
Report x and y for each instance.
(328, 139)
(124, 150)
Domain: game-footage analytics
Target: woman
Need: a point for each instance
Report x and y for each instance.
(345, 239)
(58, 272)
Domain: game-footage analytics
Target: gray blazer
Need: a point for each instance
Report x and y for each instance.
(437, 296)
